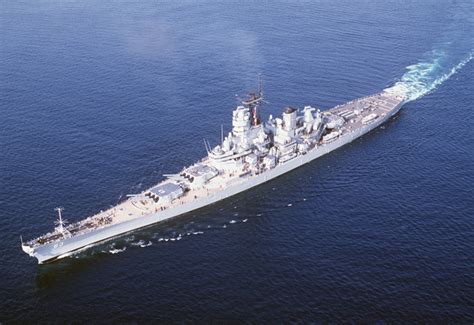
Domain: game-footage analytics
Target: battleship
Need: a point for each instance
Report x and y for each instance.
(252, 153)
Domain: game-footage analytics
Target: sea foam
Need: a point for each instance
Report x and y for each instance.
(428, 74)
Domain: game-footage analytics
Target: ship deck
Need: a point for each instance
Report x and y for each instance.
(356, 110)
(139, 206)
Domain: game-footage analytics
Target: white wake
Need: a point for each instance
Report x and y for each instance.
(427, 75)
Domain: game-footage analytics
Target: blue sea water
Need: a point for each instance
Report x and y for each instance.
(98, 99)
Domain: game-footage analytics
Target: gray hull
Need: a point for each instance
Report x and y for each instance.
(67, 246)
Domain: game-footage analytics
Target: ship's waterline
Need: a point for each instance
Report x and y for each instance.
(253, 153)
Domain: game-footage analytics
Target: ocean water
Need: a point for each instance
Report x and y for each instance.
(98, 99)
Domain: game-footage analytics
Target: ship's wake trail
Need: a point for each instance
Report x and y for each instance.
(453, 49)
(427, 75)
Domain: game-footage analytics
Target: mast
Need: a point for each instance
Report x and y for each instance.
(222, 134)
(253, 102)
(60, 222)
